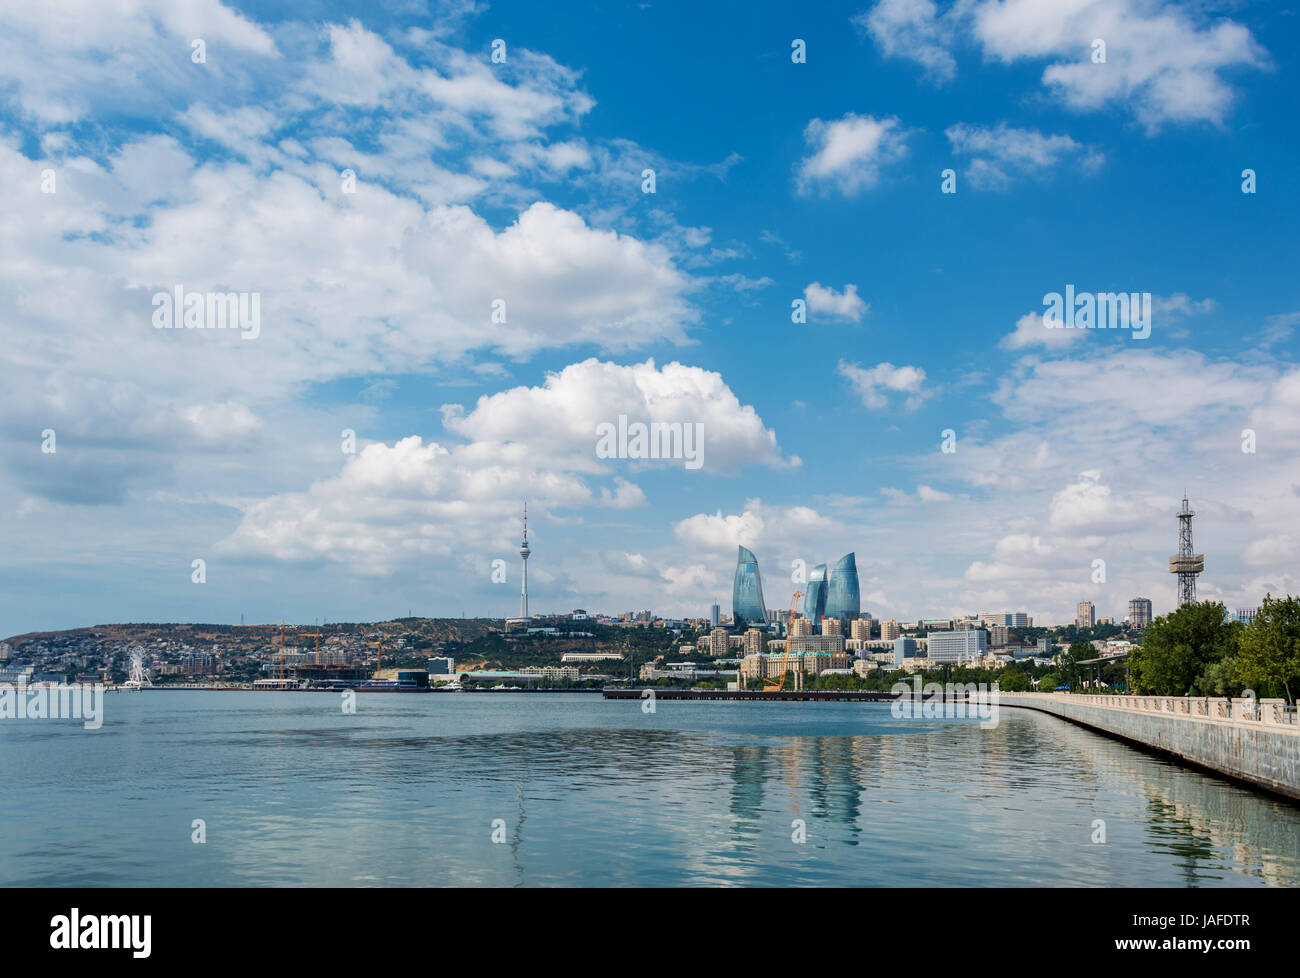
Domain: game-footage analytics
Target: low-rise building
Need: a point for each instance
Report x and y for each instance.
(776, 666)
(580, 657)
(799, 644)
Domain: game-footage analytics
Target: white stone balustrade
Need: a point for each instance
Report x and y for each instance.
(1241, 709)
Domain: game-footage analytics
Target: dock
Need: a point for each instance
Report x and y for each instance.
(751, 695)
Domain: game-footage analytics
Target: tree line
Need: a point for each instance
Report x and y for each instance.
(1197, 650)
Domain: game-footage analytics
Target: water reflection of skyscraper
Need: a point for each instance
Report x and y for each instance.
(835, 784)
(810, 778)
(748, 776)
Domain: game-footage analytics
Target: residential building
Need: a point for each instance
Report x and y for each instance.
(831, 626)
(890, 630)
(1139, 613)
(861, 629)
(1085, 615)
(719, 642)
(864, 667)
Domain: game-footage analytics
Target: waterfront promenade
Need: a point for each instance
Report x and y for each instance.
(1255, 741)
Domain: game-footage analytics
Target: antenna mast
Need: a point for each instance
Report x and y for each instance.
(1187, 563)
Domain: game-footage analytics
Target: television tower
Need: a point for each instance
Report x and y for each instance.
(523, 555)
(1186, 563)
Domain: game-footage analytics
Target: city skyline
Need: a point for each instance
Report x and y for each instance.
(461, 267)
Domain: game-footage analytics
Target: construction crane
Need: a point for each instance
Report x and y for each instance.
(771, 685)
(794, 613)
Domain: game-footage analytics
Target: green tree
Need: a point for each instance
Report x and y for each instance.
(1179, 648)
(1013, 680)
(1220, 678)
(1269, 655)
(1067, 662)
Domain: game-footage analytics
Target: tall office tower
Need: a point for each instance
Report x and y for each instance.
(715, 616)
(1085, 616)
(1139, 612)
(747, 592)
(843, 597)
(904, 648)
(523, 556)
(957, 646)
(1186, 563)
(890, 630)
(814, 602)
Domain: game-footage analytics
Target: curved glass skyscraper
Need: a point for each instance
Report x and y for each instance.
(814, 602)
(843, 598)
(747, 608)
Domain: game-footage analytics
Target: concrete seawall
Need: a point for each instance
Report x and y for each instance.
(1251, 741)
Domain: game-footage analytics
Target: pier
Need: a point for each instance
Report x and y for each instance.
(751, 695)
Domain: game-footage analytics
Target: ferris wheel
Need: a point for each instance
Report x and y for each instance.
(139, 674)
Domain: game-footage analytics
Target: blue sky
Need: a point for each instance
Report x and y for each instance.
(522, 181)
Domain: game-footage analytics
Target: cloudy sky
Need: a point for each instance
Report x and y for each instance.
(443, 212)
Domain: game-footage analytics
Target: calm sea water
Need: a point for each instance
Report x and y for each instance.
(405, 793)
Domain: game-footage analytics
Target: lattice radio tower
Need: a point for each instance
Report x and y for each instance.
(1186, 563)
